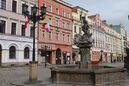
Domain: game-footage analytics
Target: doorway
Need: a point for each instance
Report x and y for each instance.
(46, 56)
(58, 56)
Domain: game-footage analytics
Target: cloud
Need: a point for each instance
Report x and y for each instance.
(114, 11)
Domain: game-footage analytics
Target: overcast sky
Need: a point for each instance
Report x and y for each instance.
(114, 11)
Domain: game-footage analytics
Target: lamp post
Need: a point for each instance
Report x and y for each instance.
(34, 18)
(45, 55)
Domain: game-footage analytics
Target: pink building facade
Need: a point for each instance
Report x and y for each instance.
(56, 45)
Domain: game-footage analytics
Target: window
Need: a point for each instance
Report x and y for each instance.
(23, 6)
(12, 52)
(50, 21)
(63, 37)
(63, 24)
(68, 15)
(31, 31)
(14, 6)
(57, 36)
(80, 17)
(57, 23)
(26, 53)
(57, 11)
(49, 8)
(75, 31)
(3, 4)
(13, 30)
(68, 38)
(23, 30)
(2, 26)
(50, 35)
(63, 13)
(43, 34)
(68, 26)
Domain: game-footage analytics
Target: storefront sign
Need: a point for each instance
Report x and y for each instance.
(48, 47)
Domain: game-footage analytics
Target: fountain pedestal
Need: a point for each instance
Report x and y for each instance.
(93, 77)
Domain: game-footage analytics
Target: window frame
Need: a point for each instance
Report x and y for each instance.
(3, 26)
(13, 28)
(12, 52)
(26, 53)
(23, 7)
(49, 8)
(57, 36)
(3, 4)
(63, 37)
(14, 6)
(23, 30)
(57, 22)
(57, 11)
(50, 35)
(43, 33)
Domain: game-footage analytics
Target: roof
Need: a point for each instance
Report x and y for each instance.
(92, 16)
(64, 3)
(78, 7)
(117, 28)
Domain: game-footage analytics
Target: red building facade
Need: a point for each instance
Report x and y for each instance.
(56, 45)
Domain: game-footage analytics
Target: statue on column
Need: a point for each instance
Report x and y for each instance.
(84, 42)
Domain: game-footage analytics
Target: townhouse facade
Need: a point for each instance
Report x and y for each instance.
(16, 42)
(56, 45)
(123, 33)
(107, 42)
(77, 13)
(118, 47)
(110, 44)
(98, 35)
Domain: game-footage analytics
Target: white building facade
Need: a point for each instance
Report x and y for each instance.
(107, 42)
(16, 41)
(123, 34)
(77, 13)
(98, 35)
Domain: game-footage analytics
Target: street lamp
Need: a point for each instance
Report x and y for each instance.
(45, 55)
(34, 18)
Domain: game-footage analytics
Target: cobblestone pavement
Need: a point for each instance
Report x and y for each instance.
(18, 76)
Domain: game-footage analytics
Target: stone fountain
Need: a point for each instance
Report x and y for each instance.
(84, 42)
(85, 73)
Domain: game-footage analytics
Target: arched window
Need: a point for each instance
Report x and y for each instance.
(12, 52)
(26, 53)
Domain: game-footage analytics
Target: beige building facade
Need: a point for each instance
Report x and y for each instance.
(77, 13)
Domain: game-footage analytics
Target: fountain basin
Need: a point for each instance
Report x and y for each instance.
(91, 76)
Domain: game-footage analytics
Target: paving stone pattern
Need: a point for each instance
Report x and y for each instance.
(17, 76)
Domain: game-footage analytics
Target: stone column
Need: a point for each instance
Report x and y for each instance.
(33, 71)
(85, 57)
(53, 58)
